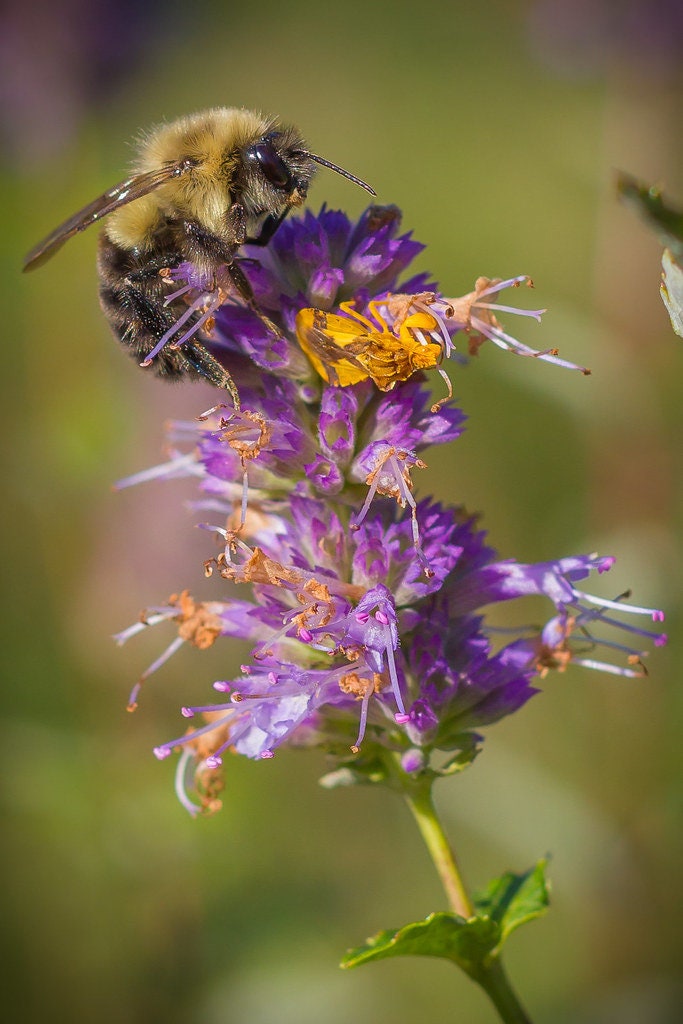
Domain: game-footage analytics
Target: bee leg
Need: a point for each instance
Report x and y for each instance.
(133, 299)
(237, 219)
(268, 229)
(151, 320)
(200, 245)
(192, 354)
(204, 364)
(151, 268)
(241, 283)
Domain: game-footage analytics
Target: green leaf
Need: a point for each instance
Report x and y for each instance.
(511, 900)
(666, 220)
(671, 290)
(469, 747)
(466, 943)
(507, 903)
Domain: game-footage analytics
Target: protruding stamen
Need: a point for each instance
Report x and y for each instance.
(176, 295)
(184, 769)
(200, 303)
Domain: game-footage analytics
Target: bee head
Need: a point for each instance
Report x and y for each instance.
(278, 172)
(280, 169)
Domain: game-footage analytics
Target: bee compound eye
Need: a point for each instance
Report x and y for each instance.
(272, 165)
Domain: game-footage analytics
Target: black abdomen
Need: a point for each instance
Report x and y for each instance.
(132, 295)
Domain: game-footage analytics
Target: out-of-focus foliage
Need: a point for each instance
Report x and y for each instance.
(671, 290)
(501, 154)
(667, 222)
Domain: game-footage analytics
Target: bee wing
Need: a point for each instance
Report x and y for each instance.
(132, 188)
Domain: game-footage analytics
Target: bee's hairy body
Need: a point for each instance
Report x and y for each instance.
(215, 142)
(201, 187)
(132, 296)
(201, 217)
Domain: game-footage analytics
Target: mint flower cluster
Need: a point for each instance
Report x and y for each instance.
(365, 608)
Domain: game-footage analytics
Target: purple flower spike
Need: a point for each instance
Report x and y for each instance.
(365, 608)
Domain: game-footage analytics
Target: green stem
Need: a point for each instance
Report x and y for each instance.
(496, 984)
(421, 804)
(490, 975)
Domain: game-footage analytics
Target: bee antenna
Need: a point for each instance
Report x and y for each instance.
(339, 170)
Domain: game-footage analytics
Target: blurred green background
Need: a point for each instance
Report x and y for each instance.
(497, 129)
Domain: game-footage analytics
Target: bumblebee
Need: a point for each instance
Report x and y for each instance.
(201, 187)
